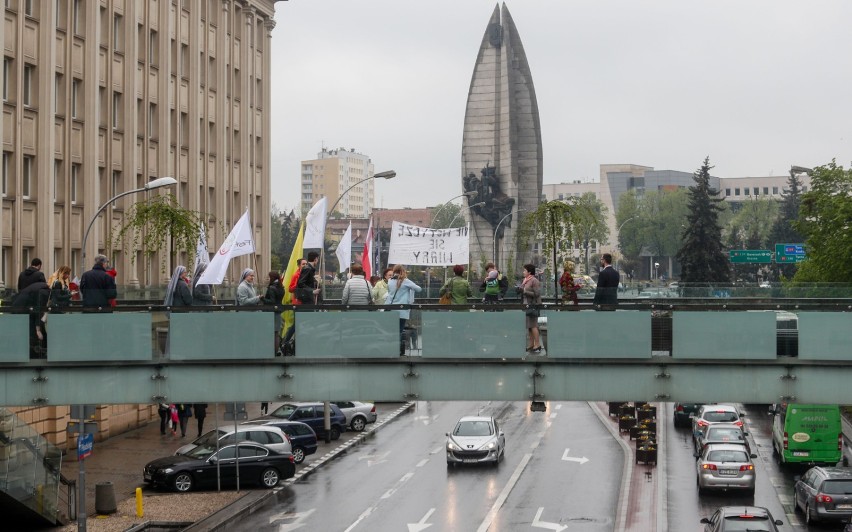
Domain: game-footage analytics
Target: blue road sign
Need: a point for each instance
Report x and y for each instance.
(85, 443)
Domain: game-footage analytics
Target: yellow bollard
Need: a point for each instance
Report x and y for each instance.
(139, 512)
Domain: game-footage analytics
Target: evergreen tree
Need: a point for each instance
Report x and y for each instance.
(702, 256)
(783, 231)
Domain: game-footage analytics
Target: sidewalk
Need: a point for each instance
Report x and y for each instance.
(120, 460)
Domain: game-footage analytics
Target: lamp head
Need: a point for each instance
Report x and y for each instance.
(480, 204)
(160, 182)
(389, 174)
(471, 194)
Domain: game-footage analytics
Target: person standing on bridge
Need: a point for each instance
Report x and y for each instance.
(97, 286)
(606, 292)
(401, 291)
(530, 291)
(458, 287)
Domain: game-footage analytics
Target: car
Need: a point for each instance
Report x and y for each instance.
(683, 413)
(311, 414)
(357, 414)
(199, 467)
(740, 518)
(722, 433)
(475, 439)
(709, 414)
(824, 494)
(269, 436)
(302, 438)
(725, 466)
(807, 434)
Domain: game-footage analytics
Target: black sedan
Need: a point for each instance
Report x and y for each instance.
(198, 468)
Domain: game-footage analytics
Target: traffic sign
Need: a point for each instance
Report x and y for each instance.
(790, 253)
(753, 256)
(85, 443)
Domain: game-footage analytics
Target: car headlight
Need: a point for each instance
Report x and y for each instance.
(451, 446)
(490, 445)
(167, 470)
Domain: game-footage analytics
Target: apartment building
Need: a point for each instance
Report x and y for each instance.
(331, 174)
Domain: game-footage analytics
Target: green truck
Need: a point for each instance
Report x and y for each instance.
(807, 434)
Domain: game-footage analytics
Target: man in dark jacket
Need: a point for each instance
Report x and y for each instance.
(35, 297)
(306, 287)
(606, 292)
(31, 275)
(97, 286)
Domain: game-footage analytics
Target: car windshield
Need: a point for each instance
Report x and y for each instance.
(837, 487)
(473, 428)
(283, 411)
(725, 434)
(209, 439)
(727, 456)
(748, 524)
(720, 417)
(202, 452)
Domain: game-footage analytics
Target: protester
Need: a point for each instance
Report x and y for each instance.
(97, 286)
(502, 284)
(200, 410)
(530, 290)
(202, 294)
(568, 285)
(356, 291)
(178, 293)
(60, 291)
(274, 296)
(246, 293)
(287, 347)
(401, 290)
(34, 297)
(458, 287)
(380, 288)
(307, 288)
(33, 274)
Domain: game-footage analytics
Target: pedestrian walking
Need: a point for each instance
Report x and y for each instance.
(31, 275)
(184, 412)
(174, 419)
(458, 288)
(97, 286)
(264, 408)
(200, 410)
(356, 291)
(530, 291)
(163, 411)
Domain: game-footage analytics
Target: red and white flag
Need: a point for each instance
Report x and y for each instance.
(367, 255)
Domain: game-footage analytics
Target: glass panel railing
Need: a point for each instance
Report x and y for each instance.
(591, 334)
(351, 334)
(474, 334)
(724, 335)
(220, 335)
(825, 335)
(14, 332)
(29, 465)
(100, 336)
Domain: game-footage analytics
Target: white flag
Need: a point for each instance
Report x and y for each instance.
(344, 249)
(239, 242)
(315, 226)
(201, 254)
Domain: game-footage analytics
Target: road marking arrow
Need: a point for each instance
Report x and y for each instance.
(296, 520)
(373, 459)
(567, 458)
(544, 524)
(422, 524)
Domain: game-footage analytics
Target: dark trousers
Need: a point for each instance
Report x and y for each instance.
(200, 424)
(164, 417)
(182, 420)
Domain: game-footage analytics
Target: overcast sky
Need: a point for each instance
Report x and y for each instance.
(756, 85)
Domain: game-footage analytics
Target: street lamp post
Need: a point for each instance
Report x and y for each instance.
(618, 235)
(495, 258)
(470, 195)
(150, 185)
(469, 207)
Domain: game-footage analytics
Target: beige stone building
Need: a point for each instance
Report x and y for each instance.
(102, 96)
(331, 174)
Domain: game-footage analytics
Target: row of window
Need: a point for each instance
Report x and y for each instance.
(755, 191)
(28, 178)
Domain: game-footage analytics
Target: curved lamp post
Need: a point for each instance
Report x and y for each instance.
(150, 185)
(469, 207)
(470, 195)
(618, 235)
(496, 260)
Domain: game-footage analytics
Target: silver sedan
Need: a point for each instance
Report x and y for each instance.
(475, 439)
(725, 466)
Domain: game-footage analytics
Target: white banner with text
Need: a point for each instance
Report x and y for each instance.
(422, 246)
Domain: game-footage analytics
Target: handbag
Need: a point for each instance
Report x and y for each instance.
(447, 297)
(369, 293)
(532, 312)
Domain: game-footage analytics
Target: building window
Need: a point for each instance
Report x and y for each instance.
(116, 109)
(57, 172)
(736, 192)
(727, 192)
(75, 172)
(756, 191)
(76, 89)
(60, 13)
(118, 33)
(153, 48)
(765, 191)
(77, 21)
(29, 82)
(27, 176)
(4, 187)
(774, 190)
(29, 7)
(116, 182)
(7, 71)
(152, 121)
(746, 191)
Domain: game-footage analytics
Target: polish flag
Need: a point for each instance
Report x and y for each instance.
(367, 256)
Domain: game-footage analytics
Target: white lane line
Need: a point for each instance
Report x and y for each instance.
(439, 449)
(626, 470)
(422, 463)
(361, 517)
(483, 527)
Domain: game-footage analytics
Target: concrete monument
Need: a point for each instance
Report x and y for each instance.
(501, 145)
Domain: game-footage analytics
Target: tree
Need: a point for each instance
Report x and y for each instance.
(591, 228)
(443, 215)
(825, 219)
(628, 219)
(749, 228)
(156, 224)
(663, 219)
(783, 230)
(555, 223)
(702, 256)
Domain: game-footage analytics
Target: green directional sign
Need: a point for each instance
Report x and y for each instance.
(751, 256)
(790, 253)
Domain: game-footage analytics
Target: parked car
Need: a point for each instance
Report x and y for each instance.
(683, 413)
(709, 414)
(824, 494)
(725, 466)
(268, 436)
(357, 414)
(200, 466)
(311, 414)
(302, 437)
(474, 440)
(722, 433)
(739, 518)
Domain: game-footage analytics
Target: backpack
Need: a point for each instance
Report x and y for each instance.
(492, 287)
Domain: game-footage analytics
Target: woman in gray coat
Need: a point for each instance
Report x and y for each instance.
(357, 290)
(246, 293)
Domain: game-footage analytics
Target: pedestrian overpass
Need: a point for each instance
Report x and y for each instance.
(695, 350)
